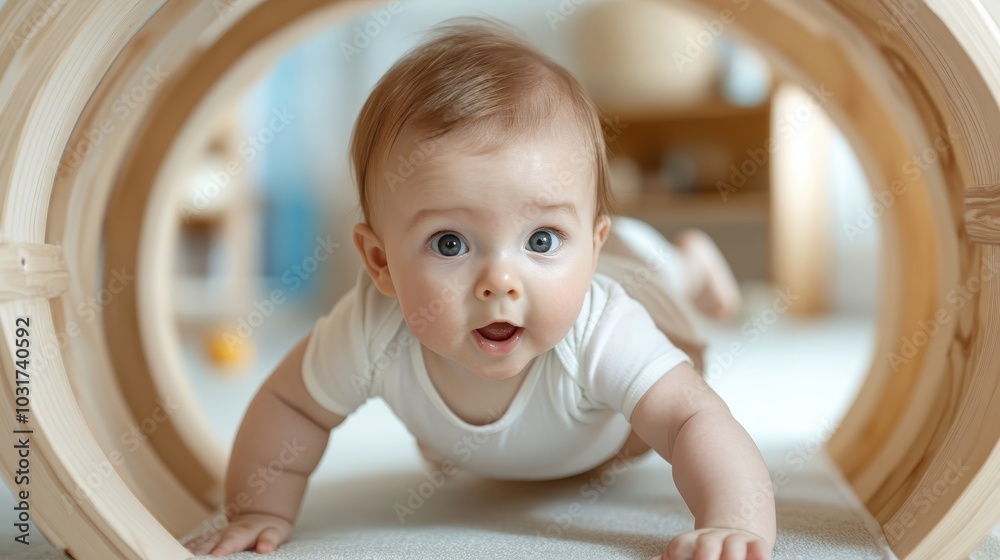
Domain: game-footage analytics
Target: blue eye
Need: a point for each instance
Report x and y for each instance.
(544, 241)
(448, 244)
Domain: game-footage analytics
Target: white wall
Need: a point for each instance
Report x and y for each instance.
(856, 245)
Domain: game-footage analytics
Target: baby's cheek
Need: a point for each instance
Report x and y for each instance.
(559, 313)
(430, 312)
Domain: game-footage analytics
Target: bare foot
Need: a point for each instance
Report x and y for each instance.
(712, 287)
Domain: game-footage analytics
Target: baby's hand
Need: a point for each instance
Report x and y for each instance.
(264, 531)
(713, 543)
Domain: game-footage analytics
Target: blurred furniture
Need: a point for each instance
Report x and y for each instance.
(756, 179)
(682, 153)
(218, 255)
(705, 166)
(801, 185)
(642, 56)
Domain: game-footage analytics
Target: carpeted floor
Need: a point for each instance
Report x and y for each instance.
(789, 389)
(628, 515)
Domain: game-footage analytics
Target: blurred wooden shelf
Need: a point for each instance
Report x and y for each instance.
(681, 153)
(716, 107)
(706, 207)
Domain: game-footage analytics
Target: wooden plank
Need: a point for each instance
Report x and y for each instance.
(74, 491)
(982, 214)
(80, 500)
(32, 270)
(76, 222)
(147, 361)
(956, 500)
(800, 199)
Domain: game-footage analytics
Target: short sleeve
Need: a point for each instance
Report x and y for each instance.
(336, 368)
(625, 353)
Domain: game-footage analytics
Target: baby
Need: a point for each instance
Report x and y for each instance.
(482, 173)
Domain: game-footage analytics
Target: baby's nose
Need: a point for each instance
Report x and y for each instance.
(497, 281)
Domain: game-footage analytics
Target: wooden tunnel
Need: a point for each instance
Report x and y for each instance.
(102, 101)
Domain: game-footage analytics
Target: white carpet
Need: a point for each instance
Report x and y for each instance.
(632, 516)
(789, 388)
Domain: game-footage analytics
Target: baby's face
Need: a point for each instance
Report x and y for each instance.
(491, 255)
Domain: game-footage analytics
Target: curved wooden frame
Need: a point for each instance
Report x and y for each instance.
(904, 77)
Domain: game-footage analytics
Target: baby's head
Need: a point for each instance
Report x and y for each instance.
(482, 174)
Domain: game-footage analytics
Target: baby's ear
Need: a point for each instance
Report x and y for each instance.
(373, 255)
(601, 230)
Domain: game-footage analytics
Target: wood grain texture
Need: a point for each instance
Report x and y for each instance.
(81, 192)
(32, 270)
(982, 214)
(148, 365)
(78, 498)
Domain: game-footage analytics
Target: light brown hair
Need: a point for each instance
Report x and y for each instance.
(477, 77)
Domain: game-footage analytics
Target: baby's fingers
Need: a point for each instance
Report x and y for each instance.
(758, 550)
(201, 545)
(713, 544)
(734, 548)
(236, 539)
(270, 538)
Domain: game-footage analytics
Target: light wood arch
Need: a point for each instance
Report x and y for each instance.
(902, 74)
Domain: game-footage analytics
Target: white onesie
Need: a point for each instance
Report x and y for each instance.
(570, 414)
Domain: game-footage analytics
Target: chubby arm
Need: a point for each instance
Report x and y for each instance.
(717, 468)
(280, 441)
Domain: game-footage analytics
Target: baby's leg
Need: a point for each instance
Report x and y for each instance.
(709, 281)
(633, 447)
(691, 266)
(654, 272)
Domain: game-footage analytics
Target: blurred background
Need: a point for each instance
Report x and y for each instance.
(704, 132)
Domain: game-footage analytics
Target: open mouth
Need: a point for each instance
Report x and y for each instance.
(498, 339)
(497, 331)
